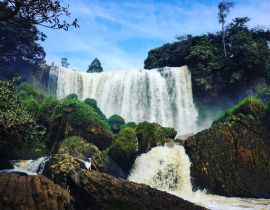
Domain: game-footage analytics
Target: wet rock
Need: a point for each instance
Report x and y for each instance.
(232, 157)
(99, 191)
(5, 164)
(101, 162)
(32, 192)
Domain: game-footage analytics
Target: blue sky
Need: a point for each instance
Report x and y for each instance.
(121, 32)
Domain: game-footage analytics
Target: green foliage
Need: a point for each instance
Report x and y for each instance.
(213, 74)
(124, 145)
(250, 106)
(169, 132)
(116, 121)
(46, 109)
(71, 96)
(79, 144)
(20, 52)
(25, 90)
(149, 135)
(91, 102)
(263, 93)
(79, 114)
(19, 132)
(129, 125)
(95, 66)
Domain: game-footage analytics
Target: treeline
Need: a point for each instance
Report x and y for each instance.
(214, 74)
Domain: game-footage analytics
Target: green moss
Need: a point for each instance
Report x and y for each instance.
(149, 135)
(79, 144)
(31, 105)
(79, 114)
(169, 132)
(93, 103)
(124, 144)
(247, 106)
(71, 96)
(129, 125)
(116, 122)
(46, 108)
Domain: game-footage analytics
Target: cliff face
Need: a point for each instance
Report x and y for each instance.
(232, 157)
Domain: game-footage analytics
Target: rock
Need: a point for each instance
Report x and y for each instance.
(5, 164)
(77, 145)
(72, 117)
(99, 191)
(150, 135)
(101, 162)
(124, 148)
(232, 157)
(32, 192)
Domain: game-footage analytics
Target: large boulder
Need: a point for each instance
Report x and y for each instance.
(232, 157)
(152, 134)
(124, 148)
(32, 192)
(99, 191)
(72, 117)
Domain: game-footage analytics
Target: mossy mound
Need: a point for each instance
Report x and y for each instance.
(250, 106)
(124, 148)
(129, 125)
(79, 145)
(72, 117)
(116, 121)
(150, 135)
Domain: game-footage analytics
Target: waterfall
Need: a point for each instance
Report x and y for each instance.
(31, 167)
(158, 95)
(168, 169)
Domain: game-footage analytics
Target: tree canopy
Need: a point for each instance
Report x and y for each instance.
(95, 66)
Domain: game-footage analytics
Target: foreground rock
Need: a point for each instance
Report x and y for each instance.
(99, 191)
(232, 157)
(32, 192)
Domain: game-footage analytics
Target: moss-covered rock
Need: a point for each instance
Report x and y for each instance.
(232, 157)
(149, 135)
(124, 148)
(129, 125)
(72, 117)
(116, 122)
(79, 145)
(72, 96)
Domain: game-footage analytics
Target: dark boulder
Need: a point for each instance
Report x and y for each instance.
(99, 191)
(5, 164)
(232, 157)
(32, 192)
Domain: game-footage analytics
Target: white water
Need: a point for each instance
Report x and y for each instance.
(31, 167)
(168, 169)
(158, 96)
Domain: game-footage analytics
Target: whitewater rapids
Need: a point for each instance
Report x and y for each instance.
(158, 95)
(168, 169)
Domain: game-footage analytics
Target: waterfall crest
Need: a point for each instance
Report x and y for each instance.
(159, 95)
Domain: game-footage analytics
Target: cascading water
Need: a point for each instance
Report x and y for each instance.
(159, 95)
(31, 167)
(168, 169)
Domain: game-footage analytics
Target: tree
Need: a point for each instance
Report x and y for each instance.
(95, 66)
(64, 62)
(20, 52)
(224, 9)
(45, 13)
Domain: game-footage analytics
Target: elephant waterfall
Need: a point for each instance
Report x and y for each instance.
(159, 95)
(168, 169)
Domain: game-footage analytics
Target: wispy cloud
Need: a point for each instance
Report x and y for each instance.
(120, 33)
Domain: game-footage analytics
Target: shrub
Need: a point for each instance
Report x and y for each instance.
(20, 135)
(129, 125)
(91, 102)
(116, 122)
(79, 114)
(25, 91)
(46, 109)
(72, 96)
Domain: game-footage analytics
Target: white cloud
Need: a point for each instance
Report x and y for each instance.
(107, 27)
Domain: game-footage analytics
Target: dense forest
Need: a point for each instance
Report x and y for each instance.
(246, 63)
